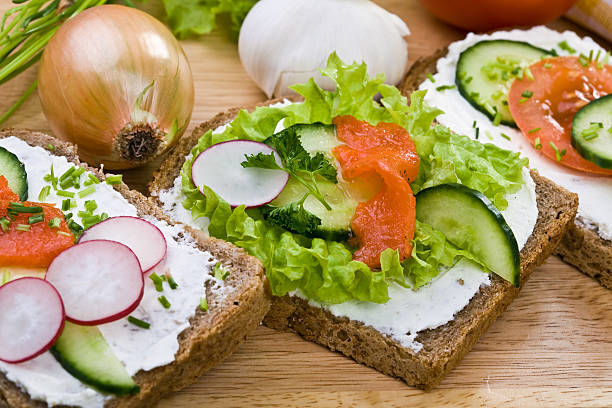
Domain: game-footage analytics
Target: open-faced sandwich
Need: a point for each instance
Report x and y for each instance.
(106, 302)
(545, 94)
(386, 238)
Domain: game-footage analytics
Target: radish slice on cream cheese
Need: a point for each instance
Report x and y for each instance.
(143, 238)
(218, 168)
(100, 281)
(31, 320)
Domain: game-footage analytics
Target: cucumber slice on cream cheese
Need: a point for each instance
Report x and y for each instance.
(84, 353)
(592, 131)
(470, 221)
(486, 70)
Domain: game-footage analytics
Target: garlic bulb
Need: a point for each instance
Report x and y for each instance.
(284, 42)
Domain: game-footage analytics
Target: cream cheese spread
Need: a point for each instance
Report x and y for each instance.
(139, 349)
(408, 311)
(459, 116)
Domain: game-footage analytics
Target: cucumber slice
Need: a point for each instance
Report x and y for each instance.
(318, 138)
(335, 224)
(486, 70)
(591, 131)
(84, 353)
(470, 221)
(14, 172)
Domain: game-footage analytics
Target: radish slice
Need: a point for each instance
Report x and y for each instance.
(218, 167)
(31, 318)
(143, 238)
(99, 281)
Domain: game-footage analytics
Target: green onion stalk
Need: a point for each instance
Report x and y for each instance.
(25, 30)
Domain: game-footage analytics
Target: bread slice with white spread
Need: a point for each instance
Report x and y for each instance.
(189, 340)
(422, 358)
(588, 242)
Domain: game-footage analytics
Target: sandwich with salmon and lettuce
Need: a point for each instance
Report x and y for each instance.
(383, 235)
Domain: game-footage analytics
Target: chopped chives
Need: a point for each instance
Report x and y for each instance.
(35, 219)
(172, 283)
(591, 132)
(505, 136)
(66, 205)
(431, 78)
(203, 304)
(590, 55)
(22, 227)
(474, 125)
(55, 222)
(114, 179)
(77, 173)
(44, 193)
(547, 65)
(67, 183)
(534, 130)
(445, 87)
(558, 154)
(89, 190)
(583, 60)
(89, 221)
(598, 54)
(468, 79)
(137, 322)
(103, 216)
(67, 173)
(157, 282)
(537, 143)
(527, 94)
(50, 147)
(63, 193)
(91, 205)
(91, 179)
(475, 137)
(164, 302)
(566, 47)
(523, 100)
(590, 137)
(63, 233)
(4, 224)
(528, 74)
(489, 135)
(21, 209)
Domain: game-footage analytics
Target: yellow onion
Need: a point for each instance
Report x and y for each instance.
(115, 81)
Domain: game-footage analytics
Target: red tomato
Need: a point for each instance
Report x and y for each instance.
(484, 15)
(561, 86)
(388, 219)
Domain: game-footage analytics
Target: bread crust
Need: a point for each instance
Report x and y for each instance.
(212, 335)
(444, 346)
(581, 246)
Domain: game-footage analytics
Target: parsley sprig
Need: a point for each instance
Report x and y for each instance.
(297, 162)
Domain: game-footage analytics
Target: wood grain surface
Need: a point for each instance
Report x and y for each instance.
(551, 348)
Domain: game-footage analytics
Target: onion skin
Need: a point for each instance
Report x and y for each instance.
(92, 73)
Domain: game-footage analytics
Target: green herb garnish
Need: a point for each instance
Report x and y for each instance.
(431, 78)
(537, 143)
(87, 191)
(444, 87)
(172, 283)
(22, 227)
(35, 219)
(558, 154)
(55, 222)
(114, 179)
(44, 193)
(296, 161)
(203, 304)
(164, 302)
(534, 130)
(157, 281)
(4, 224)
(137, 322)
(566, 47)
(505, 136)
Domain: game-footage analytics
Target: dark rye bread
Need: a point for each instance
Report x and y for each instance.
(581, 246)
(212, 335)
(444, 346)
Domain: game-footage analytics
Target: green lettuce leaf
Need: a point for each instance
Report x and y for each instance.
(324, 270)
(197, 17)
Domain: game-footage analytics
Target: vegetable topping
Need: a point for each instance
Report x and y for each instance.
(558, 92)
(388, 219)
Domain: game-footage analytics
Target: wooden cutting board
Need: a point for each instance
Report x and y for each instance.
(552, 347)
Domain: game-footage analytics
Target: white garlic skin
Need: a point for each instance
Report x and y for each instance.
(285, 42)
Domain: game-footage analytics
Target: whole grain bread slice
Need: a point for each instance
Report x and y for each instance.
(581, 246)
(212, 335)
(444, 346)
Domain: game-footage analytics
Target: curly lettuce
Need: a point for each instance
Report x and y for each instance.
(324, 270)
